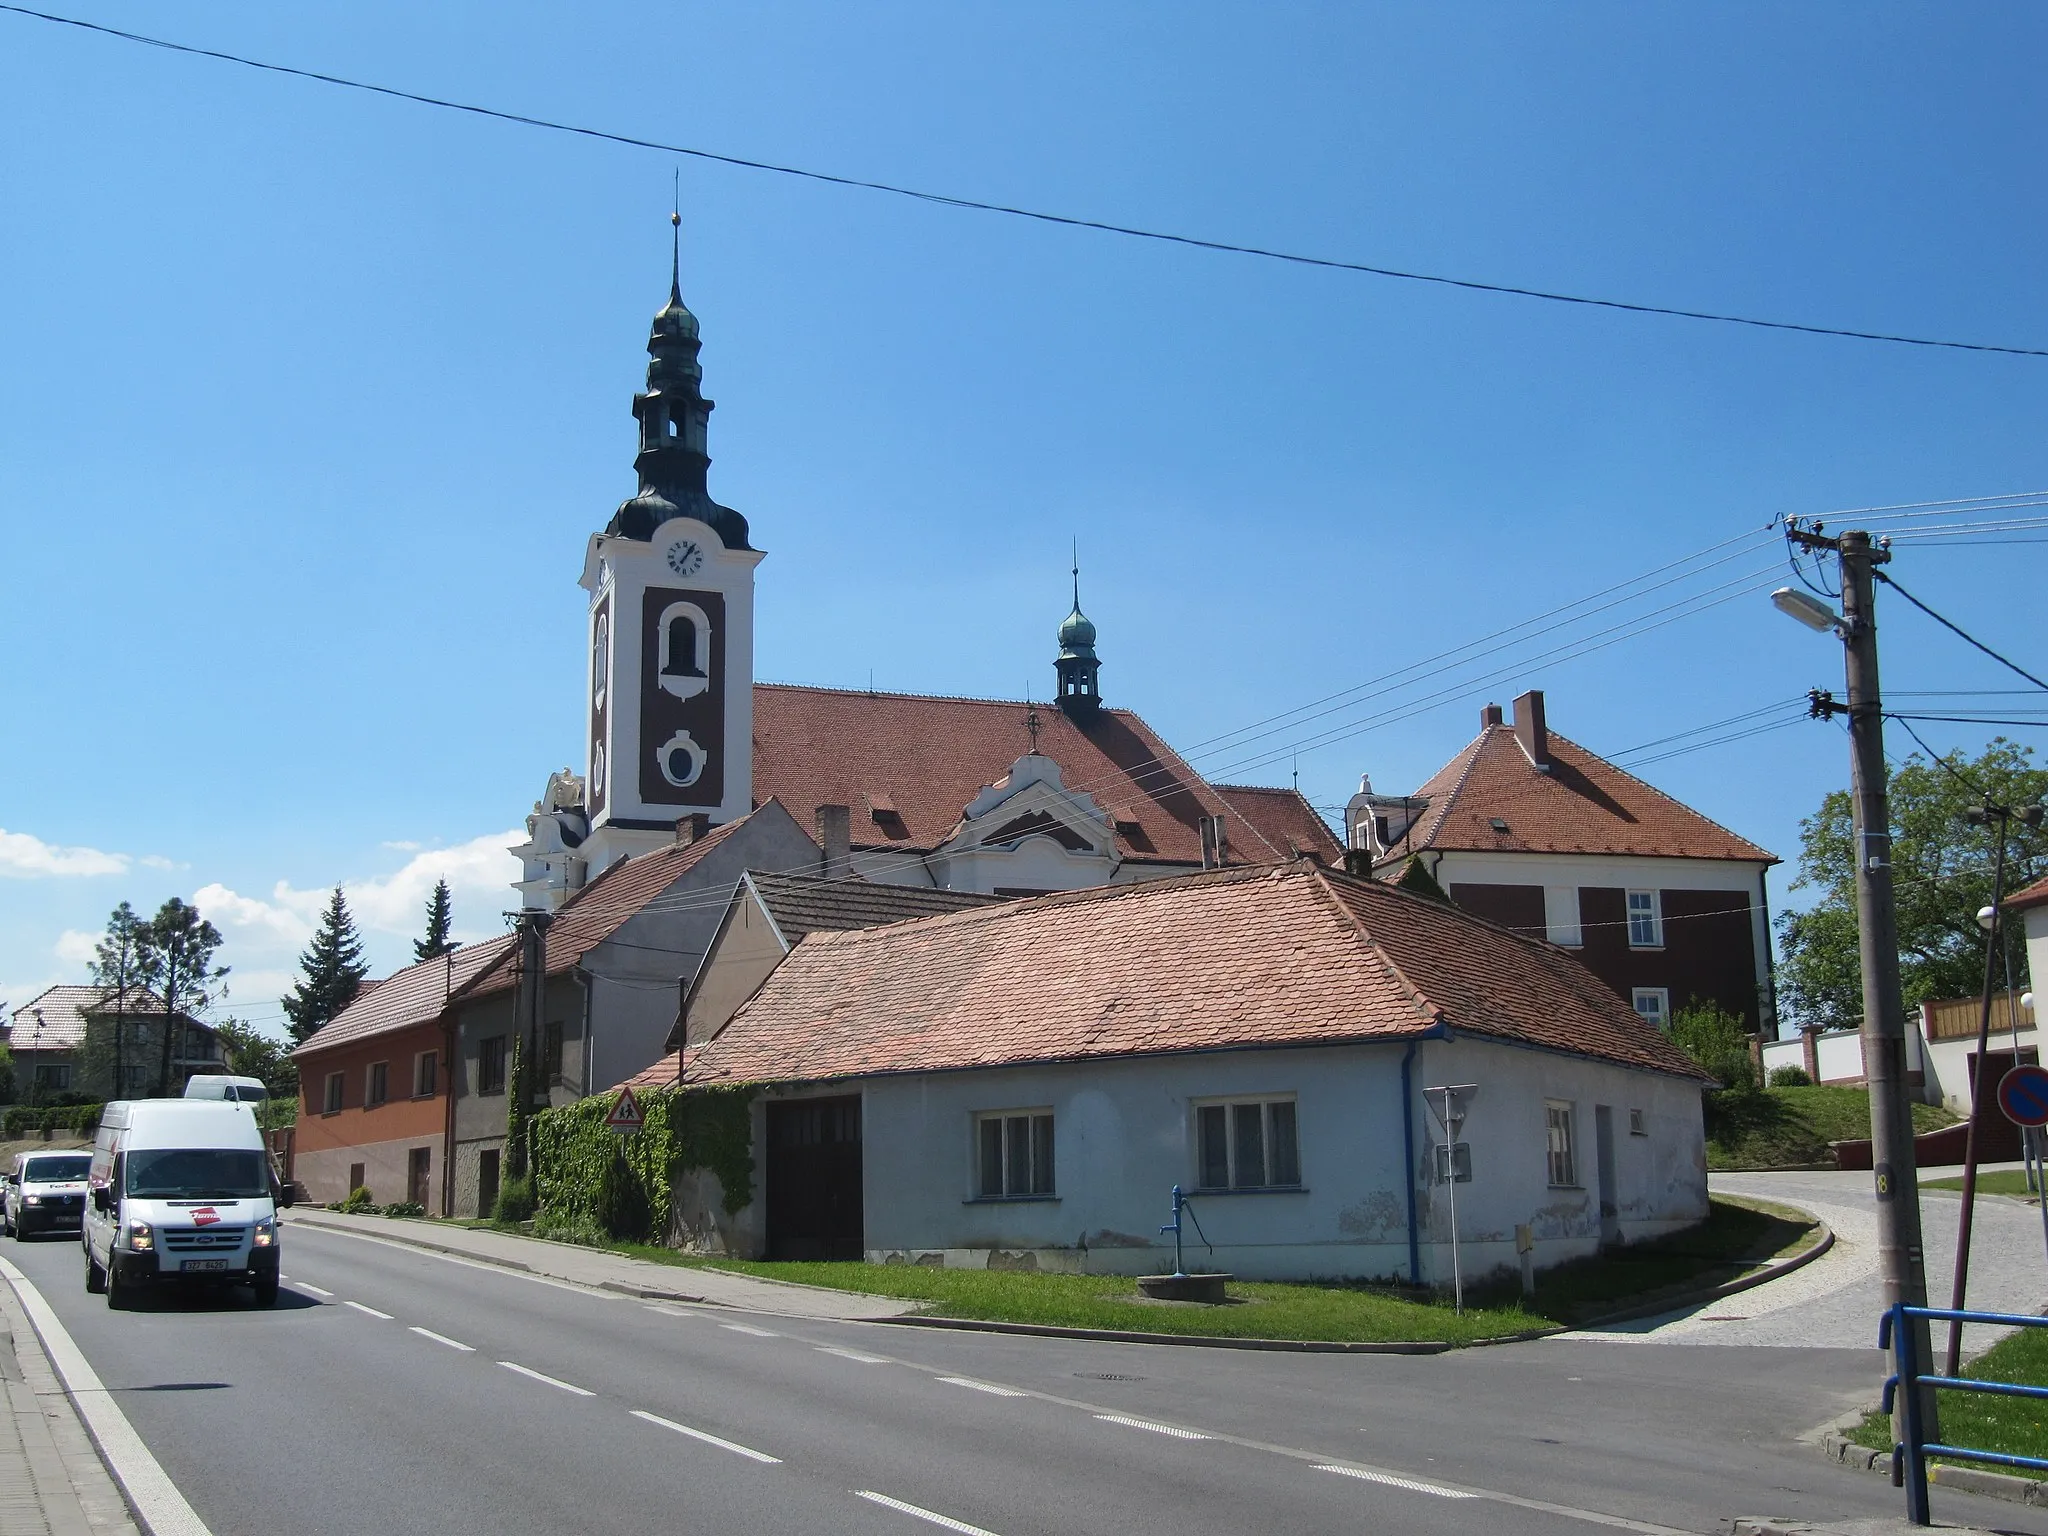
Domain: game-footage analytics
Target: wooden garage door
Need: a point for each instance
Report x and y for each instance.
(814, 1203)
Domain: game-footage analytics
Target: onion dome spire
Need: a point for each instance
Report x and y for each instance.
(1077, 665)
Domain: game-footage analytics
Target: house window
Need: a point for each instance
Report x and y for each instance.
(333, 1100)
(490, 1065)
(551, 1051)
(53, 1077)
(1561, 915)
(378, 1088)
(1564, 1166)
(1636, 1125)
(600, 658)
(1654, 1004)
(1016, 1154)
(1248, 1144)
(426, 1071)
(1645, 921)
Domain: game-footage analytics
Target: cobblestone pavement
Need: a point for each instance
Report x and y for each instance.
(52, 1482)
(1835, 1301)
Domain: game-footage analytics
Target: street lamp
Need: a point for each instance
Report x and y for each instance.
(1808, 610)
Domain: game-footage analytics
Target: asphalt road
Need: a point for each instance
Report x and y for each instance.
(393, 1390)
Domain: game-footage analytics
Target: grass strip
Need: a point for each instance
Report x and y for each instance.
(2005, 1181)
(2016, 1426)
(1791, 1127)
(1737, 1237)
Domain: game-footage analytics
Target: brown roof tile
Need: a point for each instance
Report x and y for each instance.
(1283, 819)
(801, 904)
(908, 764)
(54, 1019)
(412, 996)
(2031, 896)
(1284, 955)
(1583, 804)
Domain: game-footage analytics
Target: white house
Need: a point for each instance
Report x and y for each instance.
(1024, 1084)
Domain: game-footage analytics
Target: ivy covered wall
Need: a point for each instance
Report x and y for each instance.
(708, 1129)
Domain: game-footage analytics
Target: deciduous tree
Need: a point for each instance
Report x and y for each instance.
(187, 980)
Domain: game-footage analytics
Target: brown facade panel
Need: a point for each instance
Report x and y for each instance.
(1708, 953)
(1519, 907)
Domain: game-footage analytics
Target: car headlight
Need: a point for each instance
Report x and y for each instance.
(140, 1237)
(265, 1235)
(31, 1199)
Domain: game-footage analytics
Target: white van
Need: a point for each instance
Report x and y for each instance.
(180, 1190)
(218, 1085)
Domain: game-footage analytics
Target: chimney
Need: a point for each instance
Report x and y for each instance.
(1489, 715)
(1530, 730)
(1358, 863)
(1215, 842)
(692, 827)
(835, 837)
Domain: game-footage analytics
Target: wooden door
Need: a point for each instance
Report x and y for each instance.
(418, 1161)
(814, 1180)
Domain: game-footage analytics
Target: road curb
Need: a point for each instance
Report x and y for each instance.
(1206, 1341)
(1836, 1445)
(412, 1240)
(1776, 1270)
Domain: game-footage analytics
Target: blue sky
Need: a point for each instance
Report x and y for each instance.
(310, 400)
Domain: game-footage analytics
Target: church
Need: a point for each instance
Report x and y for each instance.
(990, 796)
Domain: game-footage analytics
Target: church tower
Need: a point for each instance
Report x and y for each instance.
(1080, 694)
(671, 584)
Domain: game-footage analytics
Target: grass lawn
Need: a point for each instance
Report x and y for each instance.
(1785, 1127)
(1736, 1237)
(2007, 1181)
(2018, 1426)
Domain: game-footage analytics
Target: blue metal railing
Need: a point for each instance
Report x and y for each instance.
(1909, 1455)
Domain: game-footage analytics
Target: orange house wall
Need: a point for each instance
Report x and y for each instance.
(400, 1117)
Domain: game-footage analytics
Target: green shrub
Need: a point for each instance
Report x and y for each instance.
(563, 1228)
(515, 1202)
(405, 1208)
(1789, 1077)
(1715, 1038)
(358, 1203)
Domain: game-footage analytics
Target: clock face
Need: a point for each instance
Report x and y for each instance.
(685, 557)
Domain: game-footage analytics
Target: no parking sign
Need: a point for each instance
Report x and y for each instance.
(2023, 1095)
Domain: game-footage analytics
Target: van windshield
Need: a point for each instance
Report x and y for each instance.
(55, 1170)
(196, 1173)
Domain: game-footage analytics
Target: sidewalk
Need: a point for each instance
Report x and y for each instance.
(51, 1478)
(610, 1271)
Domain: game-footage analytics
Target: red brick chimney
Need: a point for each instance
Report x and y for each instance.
(1530, 730)
(835, 837)
(1489, 715)
(691, 827)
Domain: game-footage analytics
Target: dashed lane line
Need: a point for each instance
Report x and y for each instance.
(369, 1311)
(982, 1386)
(923, 1514)
(853, 1354)
(442, 1338)
(1158, 1429)
(553, 1381)
(709, 1439)
(316, 1290)
(759, 1333)
(1392, 1481)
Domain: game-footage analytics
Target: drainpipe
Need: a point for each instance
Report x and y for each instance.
(1408, 1161)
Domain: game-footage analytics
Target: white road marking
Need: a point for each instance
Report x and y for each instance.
(595, 1293)
(1397, 1482)
(442, 1338)
(1157, 1429)
(759, 1333)
(673, 1311)
(923, 1514)
(982, 1386)
(316, 1290)
(852, 1354)
(697, 1434)
(371, 1311)
(155, 1497)
(566, 1386)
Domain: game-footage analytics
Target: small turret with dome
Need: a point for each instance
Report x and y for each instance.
(674, 459)
(1080, 694)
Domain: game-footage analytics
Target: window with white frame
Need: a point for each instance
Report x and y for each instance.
(1654, 1004)
(1247, 1144)
(1015, 1152)
(426, 1072)
(1564, 1164)
(1637, 1126)
(1645, 920)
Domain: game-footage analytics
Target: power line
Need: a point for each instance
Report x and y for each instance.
(1950, 624)
(1069, 221)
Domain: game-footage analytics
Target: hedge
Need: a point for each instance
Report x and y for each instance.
(23, 1120)
(710, 1128)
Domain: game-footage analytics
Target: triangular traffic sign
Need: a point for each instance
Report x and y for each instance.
(625, 1114)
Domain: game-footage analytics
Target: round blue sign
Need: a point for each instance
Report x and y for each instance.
(2024, 1095)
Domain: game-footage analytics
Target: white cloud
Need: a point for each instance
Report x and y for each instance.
(404, 845)
(285, 919)
(24, 856)
(75, 948)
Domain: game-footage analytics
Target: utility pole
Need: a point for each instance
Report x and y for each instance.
(533, 978)
(1901, 1259)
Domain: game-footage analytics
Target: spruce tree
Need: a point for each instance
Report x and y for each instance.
(439, 919)
(332, 972)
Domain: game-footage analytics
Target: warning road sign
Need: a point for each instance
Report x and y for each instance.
(2024, 1095)
(625, 1115)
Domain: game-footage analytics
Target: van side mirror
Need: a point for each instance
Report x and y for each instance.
(288, 1195)
(102, 1198)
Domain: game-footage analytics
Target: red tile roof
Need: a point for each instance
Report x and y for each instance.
(412, 996)
(907, 765)
(2034, 895)
(607, 903)
(54, 1019)
(1583, 804)
(1283, 818)
(1292, 954)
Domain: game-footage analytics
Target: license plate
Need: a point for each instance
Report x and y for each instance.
(203, 1264)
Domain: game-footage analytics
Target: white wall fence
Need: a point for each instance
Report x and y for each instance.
(1938, 1049)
